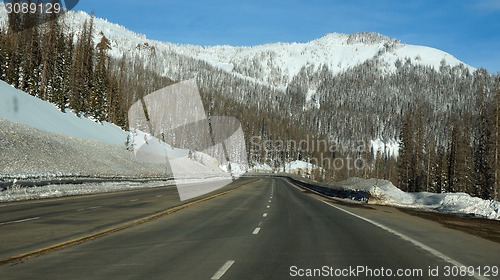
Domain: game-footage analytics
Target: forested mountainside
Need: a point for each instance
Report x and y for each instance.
(339, 91)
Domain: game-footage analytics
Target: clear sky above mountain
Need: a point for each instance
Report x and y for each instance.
(467, 29)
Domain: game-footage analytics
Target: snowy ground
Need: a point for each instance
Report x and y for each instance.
(17, 193)
(385, 193)
(38, 142)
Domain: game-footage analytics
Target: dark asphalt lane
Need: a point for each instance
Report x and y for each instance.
(268, 229)
(30, 225)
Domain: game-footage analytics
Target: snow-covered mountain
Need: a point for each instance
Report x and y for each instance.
(273, 65)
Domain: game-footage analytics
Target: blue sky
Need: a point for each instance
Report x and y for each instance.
(467, 29)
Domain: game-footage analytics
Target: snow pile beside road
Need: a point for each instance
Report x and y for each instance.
(56, 191)
(17, 193)
(385, 193)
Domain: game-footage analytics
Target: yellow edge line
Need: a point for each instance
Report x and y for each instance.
(108, 231)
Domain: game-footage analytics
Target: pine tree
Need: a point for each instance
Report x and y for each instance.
(81, 74)
(483, 161)
(496, 141)
(441, 170)
(29, 79)
(406, 164)
(101, 81)
(418, 157)
(48, 57)
(459, 160)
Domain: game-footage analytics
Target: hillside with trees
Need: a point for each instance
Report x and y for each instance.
(446, 119)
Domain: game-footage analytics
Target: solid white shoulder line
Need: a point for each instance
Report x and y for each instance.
(409, 239)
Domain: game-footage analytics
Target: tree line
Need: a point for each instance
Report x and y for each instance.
(54, 62)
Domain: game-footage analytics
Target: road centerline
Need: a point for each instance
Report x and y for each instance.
(256, 231)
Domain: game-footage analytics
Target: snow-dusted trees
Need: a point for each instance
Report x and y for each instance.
(82, 68)
(69, 69)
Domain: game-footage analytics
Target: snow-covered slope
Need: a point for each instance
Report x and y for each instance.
(274, 65)
(278, 63)
(38, 140)
(18, 106)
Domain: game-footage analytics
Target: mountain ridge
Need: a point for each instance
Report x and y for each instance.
(274, 64)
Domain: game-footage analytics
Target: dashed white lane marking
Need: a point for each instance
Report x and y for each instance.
(90, 208)
(222, 270)
(19, 221)
(265, 215)
(269, 201)
(409, 239)
(256, 231)
(159, 195)
(260, 224)
(133, 200)
(268, 206)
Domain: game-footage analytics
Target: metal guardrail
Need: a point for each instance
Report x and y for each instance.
(357, 195)
(330, 191)
(28, 183)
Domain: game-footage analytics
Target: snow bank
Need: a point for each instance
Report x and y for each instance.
(20, 107)
(37, 140)
(56, 191)
(18, 193)
(385, 193)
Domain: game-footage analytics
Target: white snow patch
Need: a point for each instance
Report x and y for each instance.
(298, 165)
(385, 193)
(389, 148)
(261, 168)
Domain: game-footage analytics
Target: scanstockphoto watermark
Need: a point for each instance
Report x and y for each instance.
(170, 125)
(447, 271)
(318, 152)
(355, 272)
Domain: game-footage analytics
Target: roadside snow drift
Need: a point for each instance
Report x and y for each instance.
(385, 193)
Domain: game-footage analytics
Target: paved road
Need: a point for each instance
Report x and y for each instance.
(27, 226)
(267, 229)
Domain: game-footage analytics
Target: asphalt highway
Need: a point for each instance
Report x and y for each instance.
(265, 229)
